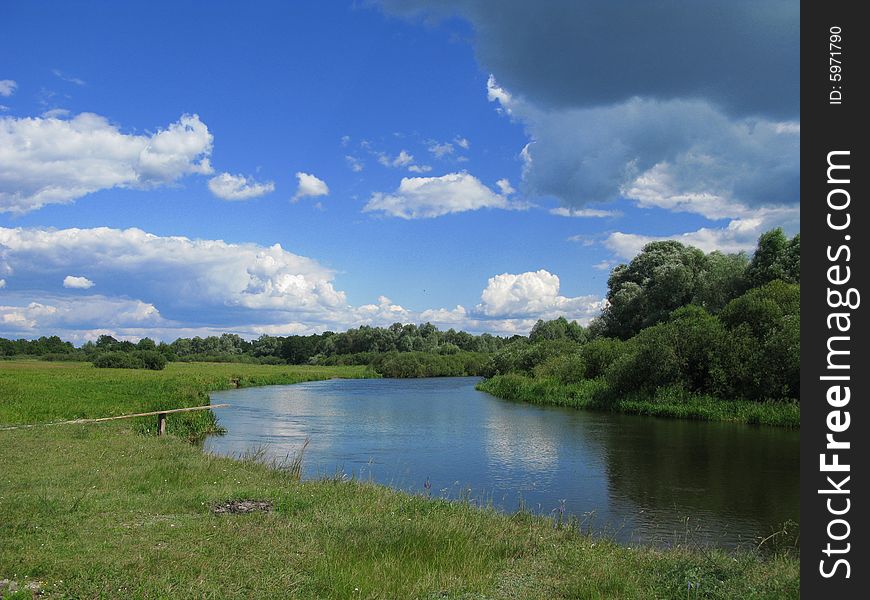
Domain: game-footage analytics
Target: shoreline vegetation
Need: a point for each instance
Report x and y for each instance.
(103, 510)
(672, 403)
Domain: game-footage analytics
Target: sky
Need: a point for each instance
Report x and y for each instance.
(181, 168)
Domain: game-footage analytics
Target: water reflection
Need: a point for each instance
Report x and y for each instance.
(641, 477)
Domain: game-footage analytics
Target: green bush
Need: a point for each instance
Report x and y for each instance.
(522, 357)
(565, 368)
(599, 354)
(151, 359)
(426, 364)
(118, 360)
(140, 359)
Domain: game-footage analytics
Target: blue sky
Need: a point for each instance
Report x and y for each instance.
(439, 161)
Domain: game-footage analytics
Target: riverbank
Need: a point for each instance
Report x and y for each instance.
(593, 394)
(102, 510)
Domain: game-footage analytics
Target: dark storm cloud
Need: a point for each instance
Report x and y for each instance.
(741, 55)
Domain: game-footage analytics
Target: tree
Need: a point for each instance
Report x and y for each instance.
(663, 277)
(776, 257)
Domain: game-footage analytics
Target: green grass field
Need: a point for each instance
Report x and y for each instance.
(103, 511)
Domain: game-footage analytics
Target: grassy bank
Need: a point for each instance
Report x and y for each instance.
(103, 511)
(667, 402)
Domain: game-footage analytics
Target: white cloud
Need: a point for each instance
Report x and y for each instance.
(55, 315)
(2, 283)
(534, 294)
(402, 159)
(77, 283)
(505, 186)
(740, 235)
(310, 186)
(238, 187)
(462, 142)
(55, 113)
(68, 78)
(439, 149)
(428, 197)
(419, 168)
(583, 212)
(53, 161)
(496, 93)
(188, 279)
(7, 87)
(167, 287)
(355, 164)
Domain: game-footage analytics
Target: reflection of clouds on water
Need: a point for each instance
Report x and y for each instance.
(278, 422)
(520, 450)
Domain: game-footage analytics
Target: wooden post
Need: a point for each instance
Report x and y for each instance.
(161, 423)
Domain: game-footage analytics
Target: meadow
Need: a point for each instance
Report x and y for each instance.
(111, 510)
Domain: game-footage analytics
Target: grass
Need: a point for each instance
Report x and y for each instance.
(104, 511)
(668, 402)
(39, 392)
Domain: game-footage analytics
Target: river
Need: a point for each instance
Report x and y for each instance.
(636, 479)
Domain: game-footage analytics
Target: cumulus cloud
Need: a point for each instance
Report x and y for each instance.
(7, 87)
(428, 197)
(53, 315)
(532, 294)
(2, 283)
(167, 287)
(238, 187)
(55, 161)
(77, 283)
(310, 186)
(188, 279)
(419, 168)
(740, 235)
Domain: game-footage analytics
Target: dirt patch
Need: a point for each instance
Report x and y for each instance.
(241, 507)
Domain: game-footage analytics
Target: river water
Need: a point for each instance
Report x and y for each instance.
(636, 479)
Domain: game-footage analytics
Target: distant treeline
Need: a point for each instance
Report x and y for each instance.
(398, 350)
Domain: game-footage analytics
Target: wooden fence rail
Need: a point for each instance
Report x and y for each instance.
(161, 418)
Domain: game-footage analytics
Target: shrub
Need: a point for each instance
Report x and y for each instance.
(151, 359)
(118, 360)
(565, 368)
(599, 354)
(522, 357)
(141, 359)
